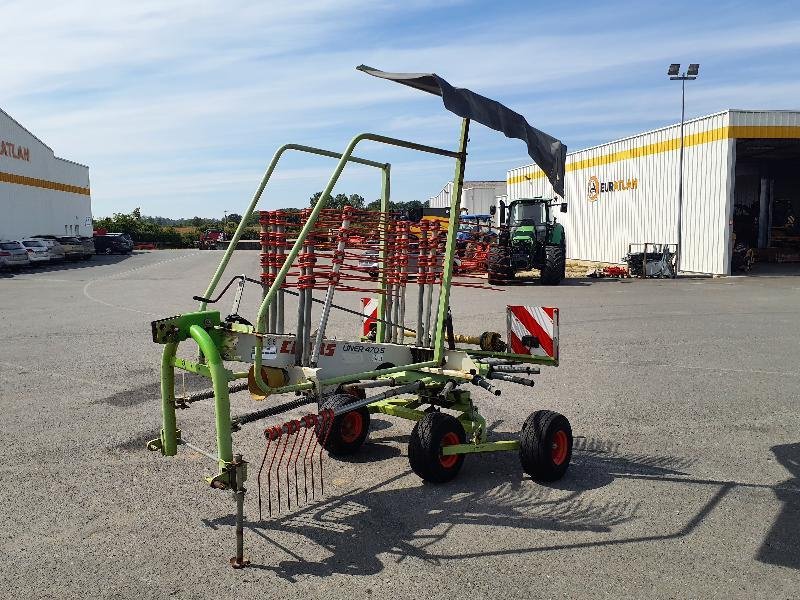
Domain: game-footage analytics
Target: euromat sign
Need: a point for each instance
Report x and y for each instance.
(595, 188)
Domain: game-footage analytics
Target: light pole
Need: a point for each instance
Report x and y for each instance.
(689, 75)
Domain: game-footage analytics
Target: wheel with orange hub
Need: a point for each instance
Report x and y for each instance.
(432, 433)
(545, 445)
(349, 431)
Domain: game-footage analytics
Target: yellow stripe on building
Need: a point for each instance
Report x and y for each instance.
(695, 139)
(42, 183)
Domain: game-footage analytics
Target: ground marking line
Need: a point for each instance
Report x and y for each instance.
(128, 272)
(28, 369)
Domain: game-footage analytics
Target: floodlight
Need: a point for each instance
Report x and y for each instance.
(673, 69)
(694, 68)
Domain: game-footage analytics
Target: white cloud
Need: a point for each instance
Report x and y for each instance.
(182, 103)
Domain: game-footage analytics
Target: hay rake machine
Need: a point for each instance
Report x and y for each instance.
(408, 363)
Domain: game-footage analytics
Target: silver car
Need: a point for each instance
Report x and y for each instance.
(38, 252)
(56, 250)
(13, 255)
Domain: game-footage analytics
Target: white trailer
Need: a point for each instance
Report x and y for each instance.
(477, 197)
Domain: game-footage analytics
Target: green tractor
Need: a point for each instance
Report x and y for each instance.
(530, 238)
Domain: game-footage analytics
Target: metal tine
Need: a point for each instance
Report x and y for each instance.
(310, 451)
(327, 425)
(278, 472)
(273, 434)
(293, 429)
(258, 479)
(302, 436)
(310, 421)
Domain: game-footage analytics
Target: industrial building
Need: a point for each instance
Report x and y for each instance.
(476, 196)
(741, 183)
(40, 193)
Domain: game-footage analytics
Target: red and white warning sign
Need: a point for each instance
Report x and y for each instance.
(533, 330)
(369, 308)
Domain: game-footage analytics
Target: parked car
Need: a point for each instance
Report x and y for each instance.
(38, 251)
(13, 255)
(88, 247)
(55, 249)
(73, 247)
(113, 243)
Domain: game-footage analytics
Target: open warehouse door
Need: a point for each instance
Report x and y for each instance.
(766, 211)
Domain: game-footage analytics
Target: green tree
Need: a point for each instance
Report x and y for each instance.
(339, 201)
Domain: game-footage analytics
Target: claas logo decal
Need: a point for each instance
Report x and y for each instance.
(597, 187)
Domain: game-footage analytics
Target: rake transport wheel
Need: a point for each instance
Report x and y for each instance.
(349, 431)
(545, 445)
(434, 431)
(498, 266)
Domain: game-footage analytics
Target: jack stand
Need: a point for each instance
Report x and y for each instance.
(239, 476)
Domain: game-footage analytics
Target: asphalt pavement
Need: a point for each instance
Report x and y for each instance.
(683, 396)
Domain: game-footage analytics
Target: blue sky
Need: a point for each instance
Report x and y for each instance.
(178, 106)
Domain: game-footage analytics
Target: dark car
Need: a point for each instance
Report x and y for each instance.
(88, 247)
(113, 243)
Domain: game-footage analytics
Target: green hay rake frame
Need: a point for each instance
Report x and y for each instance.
(431, 378)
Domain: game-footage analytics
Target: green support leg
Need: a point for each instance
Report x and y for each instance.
(450, 245)
(169, 426)
(222, 406)
(380, 334)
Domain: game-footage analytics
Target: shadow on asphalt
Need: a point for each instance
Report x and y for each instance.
(782, 546)
(355, 529)
(151, 392)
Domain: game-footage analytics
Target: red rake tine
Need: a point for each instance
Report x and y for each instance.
(271, 434)
(297, 456)
(258, 479)
(292, 428)
(312, 448)
(327, 419)
(275, 433)
(278, 470)
(309, 421)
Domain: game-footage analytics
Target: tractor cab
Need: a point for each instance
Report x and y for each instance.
(528, 219)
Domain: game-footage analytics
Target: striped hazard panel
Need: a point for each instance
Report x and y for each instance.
(533, 330)
(369, 310)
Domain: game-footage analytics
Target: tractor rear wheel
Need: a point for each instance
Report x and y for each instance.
(348, 432)
(555, 265)
(434, 431)
(545, 445)
(498, 266)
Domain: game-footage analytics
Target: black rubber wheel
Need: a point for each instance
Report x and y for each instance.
(545, 445)
(430, 434)
(555, 265)
(498, 266)
(348, 432)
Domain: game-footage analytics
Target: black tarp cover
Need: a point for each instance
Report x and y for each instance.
(546, 151)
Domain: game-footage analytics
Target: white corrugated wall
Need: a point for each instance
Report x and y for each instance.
(37, 209)
(442, 199)
(476, 196)
(600, 230)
